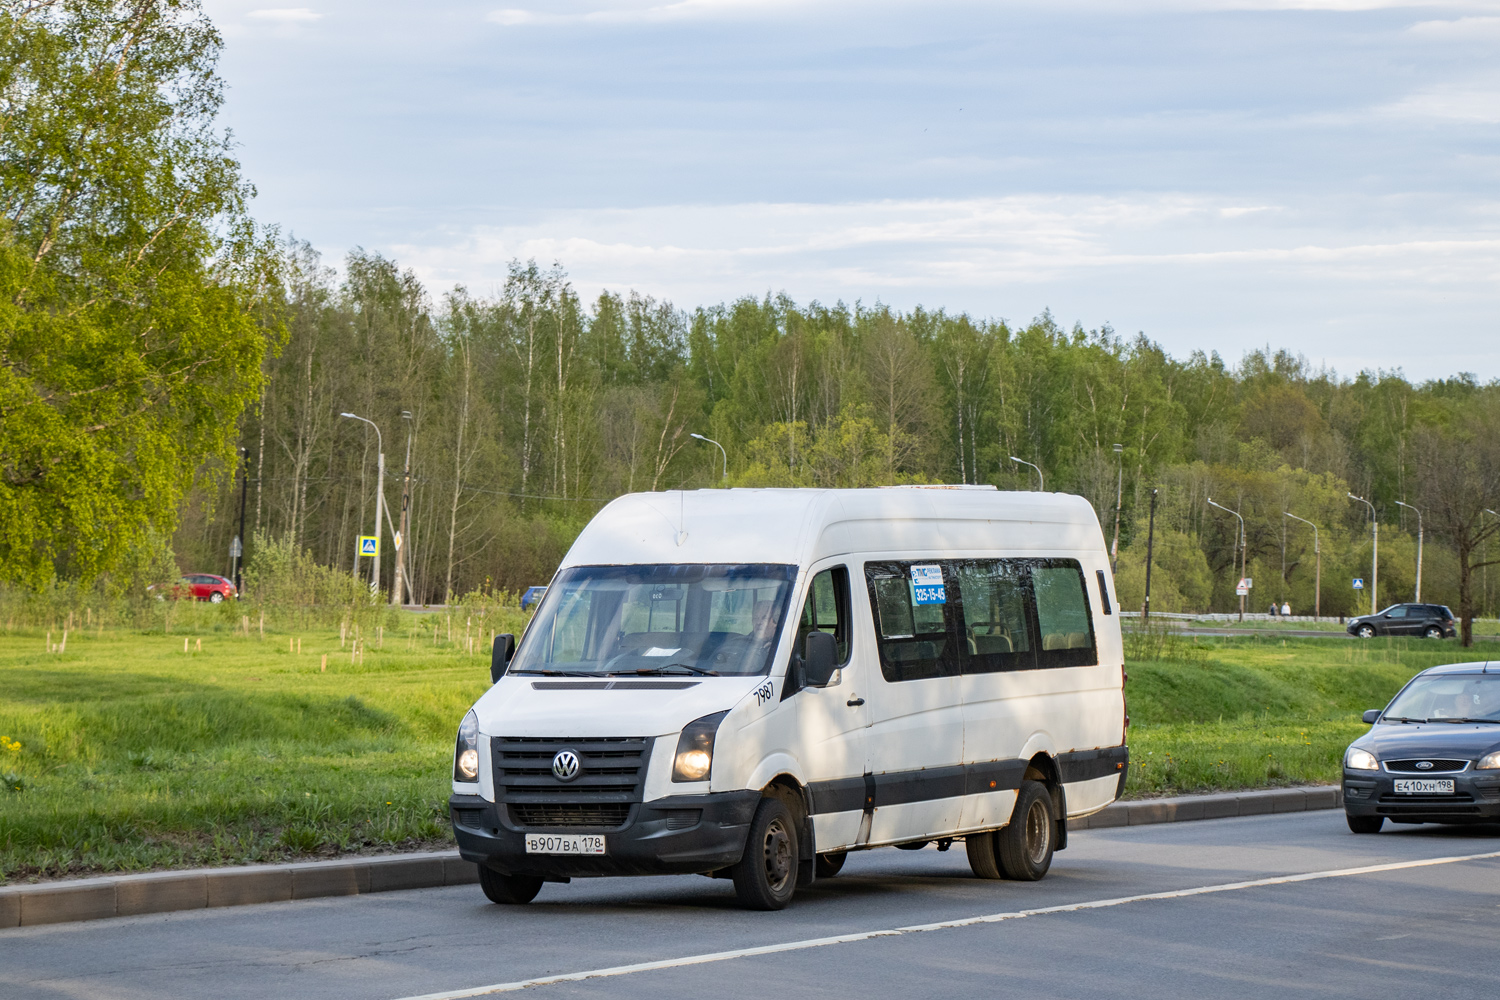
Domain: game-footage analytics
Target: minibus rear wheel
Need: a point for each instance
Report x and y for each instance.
(983, 859)
(766, 875)
(508, 889)
(1025, 846)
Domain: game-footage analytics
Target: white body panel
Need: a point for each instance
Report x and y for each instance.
(860, 724)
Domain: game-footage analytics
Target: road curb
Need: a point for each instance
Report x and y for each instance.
(1192, 807)
(165, 892)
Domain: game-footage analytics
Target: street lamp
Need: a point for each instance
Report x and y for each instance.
(403, 578)
(1318, 576)
(1041, 484)
(1150, 537)
(1374, 552)
(1419, 547)
(1114, 549)
(1241, 543)
(379, 492)
(719, 446)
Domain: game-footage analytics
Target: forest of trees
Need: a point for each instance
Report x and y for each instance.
(531, 410)
(151, 331)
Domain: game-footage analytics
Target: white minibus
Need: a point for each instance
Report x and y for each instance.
(748, 684)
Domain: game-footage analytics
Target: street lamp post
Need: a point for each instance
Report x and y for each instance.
(379, 492)
(1419, 547)
(1318, 575)
(1114, 549)
(700, 437)
(403, 578)
(1374, 553)
(238, 548)
(1241, 542)
(1041, 483)
(1150, 538)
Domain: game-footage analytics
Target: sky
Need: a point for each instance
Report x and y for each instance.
(1314, 175)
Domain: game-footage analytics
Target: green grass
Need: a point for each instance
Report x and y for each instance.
(1252, 712)
(133, 755)
(125, 753)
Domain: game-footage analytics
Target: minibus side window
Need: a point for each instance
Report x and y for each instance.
(994, 620)
(1063, 617)
(827, 610)
(913, 635)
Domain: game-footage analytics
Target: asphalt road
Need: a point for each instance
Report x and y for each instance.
(1412, 930)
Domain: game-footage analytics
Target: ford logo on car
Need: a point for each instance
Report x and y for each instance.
(1422, 765)
(565, 765)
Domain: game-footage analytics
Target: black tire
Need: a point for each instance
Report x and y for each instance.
(831, 864)
(1364, 824)
(510, 890)
(1433, 632)
(1024, 848)
(766, 876)
(984, 858)
(1365, 631)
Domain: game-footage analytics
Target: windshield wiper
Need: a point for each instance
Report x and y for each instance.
(649, 671)
(1466, 720)
(558, 673)
(1399, 718)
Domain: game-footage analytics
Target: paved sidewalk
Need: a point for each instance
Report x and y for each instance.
(162, 892)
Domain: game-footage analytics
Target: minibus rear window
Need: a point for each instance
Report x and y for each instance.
(668, 619)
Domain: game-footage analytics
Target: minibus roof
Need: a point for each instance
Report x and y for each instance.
(799, 526)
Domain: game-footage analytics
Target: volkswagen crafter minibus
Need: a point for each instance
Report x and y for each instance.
(748, 684)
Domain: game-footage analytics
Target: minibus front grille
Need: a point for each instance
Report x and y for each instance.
(591, 815)
(611, 770)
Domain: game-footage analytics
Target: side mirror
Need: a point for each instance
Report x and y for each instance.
(505, 648)
(1372, 716)
(822, 653)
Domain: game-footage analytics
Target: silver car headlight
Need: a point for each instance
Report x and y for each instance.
(466, 753)
(1362, 760)
(1489, 762)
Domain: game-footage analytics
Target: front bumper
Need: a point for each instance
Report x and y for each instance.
(679, 834)
(1475, 798)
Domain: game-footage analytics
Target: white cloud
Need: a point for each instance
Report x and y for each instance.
(1463, 29)
(286, 15)
(1475, 101)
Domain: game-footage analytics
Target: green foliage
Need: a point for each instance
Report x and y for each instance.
(129, 277)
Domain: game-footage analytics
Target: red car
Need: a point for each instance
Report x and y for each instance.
(199, 587)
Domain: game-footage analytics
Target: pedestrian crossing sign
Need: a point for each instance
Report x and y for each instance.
(369, 545)
(1359, 584)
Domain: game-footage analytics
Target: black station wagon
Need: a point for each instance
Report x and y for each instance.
(1432, 755)
(1431, 621)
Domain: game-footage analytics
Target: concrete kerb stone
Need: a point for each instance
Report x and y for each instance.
(162, 892)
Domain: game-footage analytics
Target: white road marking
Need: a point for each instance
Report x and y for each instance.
(989, 918)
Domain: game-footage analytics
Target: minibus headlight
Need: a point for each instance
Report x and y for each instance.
(1360, 760)
(695, 749)
(466, 754)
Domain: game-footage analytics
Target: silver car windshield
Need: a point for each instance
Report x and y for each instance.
(1448, 698)
(713, 620)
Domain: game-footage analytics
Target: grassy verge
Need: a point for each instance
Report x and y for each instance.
(126, 753)
(123, 752)
(1223, 713)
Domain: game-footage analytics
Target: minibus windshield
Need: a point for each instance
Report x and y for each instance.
(689, 620)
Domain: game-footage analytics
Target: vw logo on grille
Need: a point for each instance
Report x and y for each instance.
(1422, 765)
(566, 765)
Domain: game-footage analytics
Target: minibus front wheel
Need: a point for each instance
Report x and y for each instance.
(766, 876)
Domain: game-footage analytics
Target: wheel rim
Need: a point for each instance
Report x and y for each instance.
(1036, 833)
(778, 855)
(1366, 632)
